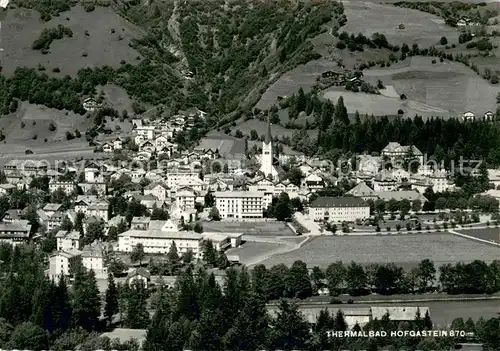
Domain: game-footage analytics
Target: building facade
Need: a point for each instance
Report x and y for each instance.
(339, 209)
(240, 204)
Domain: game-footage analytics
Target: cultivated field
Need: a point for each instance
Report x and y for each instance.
(440, 89)
(422, 28)
(22, 27)
(404, 250)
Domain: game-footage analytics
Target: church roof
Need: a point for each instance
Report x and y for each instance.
(268, 137)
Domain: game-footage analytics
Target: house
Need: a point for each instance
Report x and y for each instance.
(185, 199)
(363, 191)
(6, 188)
(68, 240)
(175, 177)
(55, 220)
(50, 209)
(67, 186)
(15, 232)
(83, 201)
(12, 215)
(461, 23)
(468, 116)
(93, 258)
(339, 209)
(139, 275)
(99, 209)
(394, 151)
(107, 147)
(147, 146)
(158, 190)
(312, 183)
(61, 263)
(118, 143)
(240, 204)
(90, 104)
(489, 116)
(157, 241)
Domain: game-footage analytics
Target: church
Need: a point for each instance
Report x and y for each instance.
(266, 163)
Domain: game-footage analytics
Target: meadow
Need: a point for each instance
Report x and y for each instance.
(107, 42)
(404, 250)
(444, 89)
(421, 28)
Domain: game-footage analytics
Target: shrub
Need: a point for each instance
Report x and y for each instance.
(52, 127)
(56, 70)
(35, 137)
(443, 41)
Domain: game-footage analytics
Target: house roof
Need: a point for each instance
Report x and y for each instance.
(400, 195)
(143, 272)
(180, 235)
(361, 190)
(346, 201)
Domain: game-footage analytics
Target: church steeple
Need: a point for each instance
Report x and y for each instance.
(268, 139)
(266, 165)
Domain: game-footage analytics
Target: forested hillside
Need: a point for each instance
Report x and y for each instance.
(230, 48)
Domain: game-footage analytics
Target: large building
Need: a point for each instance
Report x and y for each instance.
(158, 241)
(15, 232)
(240, 204)
(339, 209)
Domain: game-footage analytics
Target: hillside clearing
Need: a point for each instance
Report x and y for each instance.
(421, 28)
(107, 42)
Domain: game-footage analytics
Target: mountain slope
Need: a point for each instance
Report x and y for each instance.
(224, 50)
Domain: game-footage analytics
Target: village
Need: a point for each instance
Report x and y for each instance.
(173, 194)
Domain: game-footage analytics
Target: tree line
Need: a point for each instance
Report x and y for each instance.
(48, 35)
(197, 313)
(385, 279)
(447, 139)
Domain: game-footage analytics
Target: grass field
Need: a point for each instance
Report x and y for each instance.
(21, 27)
(490, 234)
(422, 28)
(37, 120)
(441, 89)
(252, 249)
(403, 250)
(251, 228)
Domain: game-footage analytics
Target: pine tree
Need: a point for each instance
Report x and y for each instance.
(209, 253)
(62, 306)
(111, 299)
(341, 112)
(86, 300)
(249, 331)
(137, 314)
(290, 331)
(172, 254)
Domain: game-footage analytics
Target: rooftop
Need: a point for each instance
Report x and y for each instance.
(230, 194)
(347, 201)
(182, 235)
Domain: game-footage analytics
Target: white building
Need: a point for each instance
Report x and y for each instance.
(395, 151)
(15, 232)
(176, 177)
(148, 132)
(67, 186)
(339, 209)
(266, 162)
(240, 204)
(93, 258)
(67, 241)
(158, 190)
(62, 262)
(439, 180)
(158, 241)
(185, 199)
